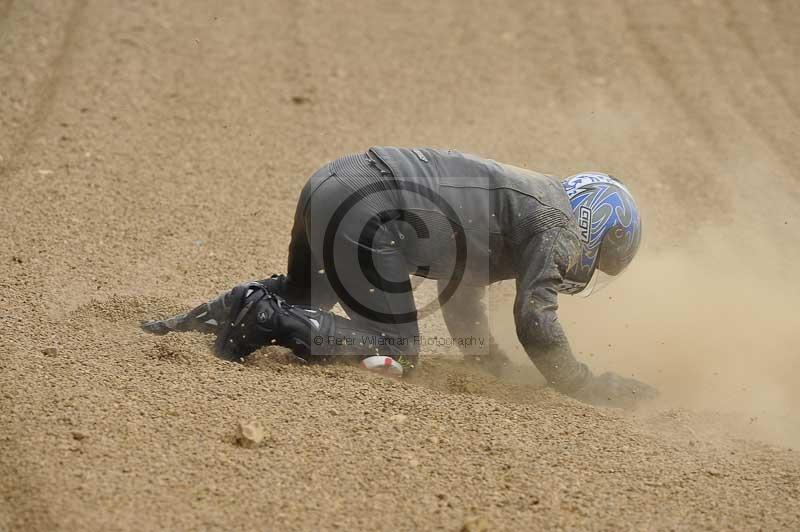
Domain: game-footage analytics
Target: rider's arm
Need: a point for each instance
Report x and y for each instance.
(535, 313)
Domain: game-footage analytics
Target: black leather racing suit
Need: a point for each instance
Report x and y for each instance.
(394, 212)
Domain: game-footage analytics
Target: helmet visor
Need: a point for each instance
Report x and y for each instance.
(599, 281)
(615, 254)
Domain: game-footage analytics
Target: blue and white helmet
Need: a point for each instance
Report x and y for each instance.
(610, 230)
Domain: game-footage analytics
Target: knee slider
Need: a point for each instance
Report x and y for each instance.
(276, 284)
(262, 318)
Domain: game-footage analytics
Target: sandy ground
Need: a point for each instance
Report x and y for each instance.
(150, 156)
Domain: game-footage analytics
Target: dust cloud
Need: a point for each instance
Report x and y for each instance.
(710, 320)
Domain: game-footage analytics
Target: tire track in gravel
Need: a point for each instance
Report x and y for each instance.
(661, 66)
(48, 91)
(5, 8)
(734, 87)
(759, 62)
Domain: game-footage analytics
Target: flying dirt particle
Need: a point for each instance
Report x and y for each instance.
(50, 351)
(300, 100)
(250, 434)
(475, 524)
(79, 436)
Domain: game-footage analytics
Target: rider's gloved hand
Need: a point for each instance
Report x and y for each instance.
(610, 389)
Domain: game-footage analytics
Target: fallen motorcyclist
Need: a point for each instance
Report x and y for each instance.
(366, 223)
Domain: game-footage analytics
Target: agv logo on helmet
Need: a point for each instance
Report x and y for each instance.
(585, 222)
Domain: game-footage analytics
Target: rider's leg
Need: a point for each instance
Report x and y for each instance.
(258, 317)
